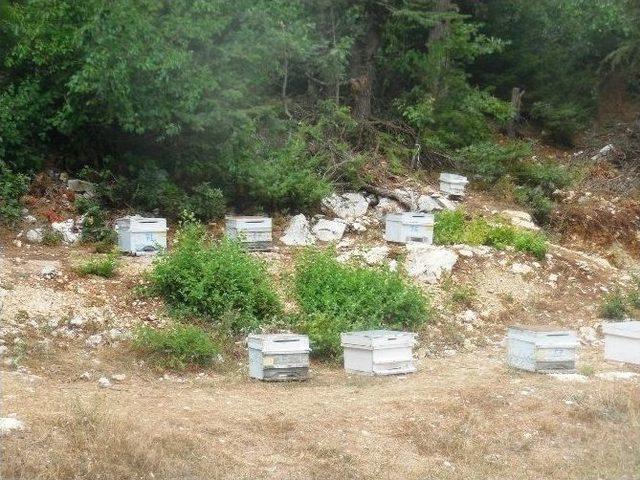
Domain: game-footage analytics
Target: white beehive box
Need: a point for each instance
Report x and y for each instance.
(253, 232)
(542, 348)
(378, 352)
(452, 184)
(141, 236)
(278, 357)
(622, 342)
(409, 227)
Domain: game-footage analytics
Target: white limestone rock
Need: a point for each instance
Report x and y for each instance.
(429, 263)
(298, 232)
(329, 230)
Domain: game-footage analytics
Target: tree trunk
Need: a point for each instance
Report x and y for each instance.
(516, 106)
(363, 64)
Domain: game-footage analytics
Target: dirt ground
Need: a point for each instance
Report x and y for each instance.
(463, 415)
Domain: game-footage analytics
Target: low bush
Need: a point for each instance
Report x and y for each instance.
(216, 280)
(206, 203)
(614, 307)
(94, 225)
(51, 237)
(103, 267)
(12, 187)
(177, 346)
(335, 298)
(452, 227)
(511, 165)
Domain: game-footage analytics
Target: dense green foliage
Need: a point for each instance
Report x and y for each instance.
(218, 281)
(336, 298)
(12, 187)
(177, 346)
(268, 104)
(452, 227)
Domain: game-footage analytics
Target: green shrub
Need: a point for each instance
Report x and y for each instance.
(51, 237)
(102, 267)
(207, 203)
(614, 307)
(491, 161)
(336, 298)
(452, 228)
(536, 202)
(94, 225)
(561, 122)
(12, 187)
(177, 346)
(215, 280)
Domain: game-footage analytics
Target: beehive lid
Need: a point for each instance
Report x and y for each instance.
(138, 223)
(543, 332)
(625, 329)
(279, 342)
(378, 339)
(412, 218)
(453, 178)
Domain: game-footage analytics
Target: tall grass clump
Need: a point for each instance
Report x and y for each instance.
(177, 346)
(453, 227)
(216, 280)
(336, 298)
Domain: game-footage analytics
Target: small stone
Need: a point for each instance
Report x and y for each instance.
(35, 235)
(358, 227)
(119, 377)
(329, 230)
(569, 377)
(77, 322)
(588, 334)
(469, 316)
(49, 272)
(298, 232)
(85, 376)
(30, 219)
(613, 376)
(376, 255)
(521, 268)
(103, 382)
(9, 425)
(94, 340)
(553, 277)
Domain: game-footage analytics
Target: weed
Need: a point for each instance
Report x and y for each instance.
(614, 307)
(102, 267)
(51, 237)
(216, 280)
(587, 370)
(337, 298)
(464, 295)
(177, 346)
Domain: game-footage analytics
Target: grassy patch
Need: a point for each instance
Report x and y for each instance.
(177, 346)
(452, 227)
(336, 298)
(103, 267)
(218, 281)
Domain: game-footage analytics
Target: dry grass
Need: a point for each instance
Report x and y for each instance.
(460, 418)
